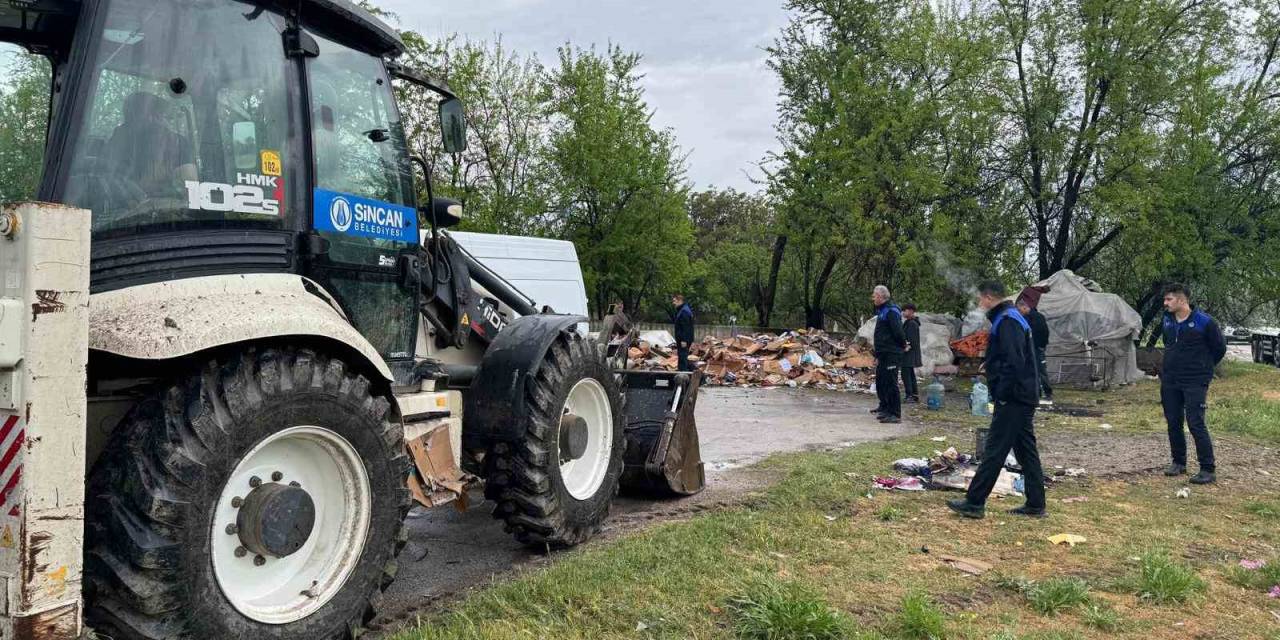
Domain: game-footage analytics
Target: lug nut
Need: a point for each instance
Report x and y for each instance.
(241, 552)
(276, 476)
(237, 502)
(232, 529)
(255, 482)
(258, 561)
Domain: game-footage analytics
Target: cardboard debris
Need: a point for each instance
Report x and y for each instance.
(796, 358)
(967, 565)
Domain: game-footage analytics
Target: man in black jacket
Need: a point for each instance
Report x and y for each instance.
(1028, 306)
(889, 343)
(683, 330)
(1193, 346)
(911, 358)
(1011, 377)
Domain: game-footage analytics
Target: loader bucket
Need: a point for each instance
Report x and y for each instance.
(662, 455)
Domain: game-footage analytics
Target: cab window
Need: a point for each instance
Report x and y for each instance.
(24, 110)
(189, 120)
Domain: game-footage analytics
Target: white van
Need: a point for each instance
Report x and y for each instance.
(543, 269)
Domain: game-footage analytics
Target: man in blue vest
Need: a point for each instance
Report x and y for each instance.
(1193, 346)
(683, 330)
(890, 341)
(1011, 375)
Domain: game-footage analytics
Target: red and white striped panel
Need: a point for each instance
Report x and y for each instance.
(11, 438)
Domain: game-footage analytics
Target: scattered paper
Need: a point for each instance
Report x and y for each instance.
(1075, 499)
(1069, 539)
(1253, 565)
(1106, 427)
(939, 439)
(1184, 492)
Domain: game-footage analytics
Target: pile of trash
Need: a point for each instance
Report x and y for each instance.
(949, 469)
(795, 359)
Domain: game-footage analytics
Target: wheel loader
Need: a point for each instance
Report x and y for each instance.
(236, 346)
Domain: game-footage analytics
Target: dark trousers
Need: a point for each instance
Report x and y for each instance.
(887, 384)
(910, 388)
(1011, 429)
(1187, 400)
(682, 355)
(1046, 391)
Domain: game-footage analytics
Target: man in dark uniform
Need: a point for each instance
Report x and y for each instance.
(1011, 376)
(889, 343)
(911, 359)
(1193, 346)
(683, 330)
(1028, 306)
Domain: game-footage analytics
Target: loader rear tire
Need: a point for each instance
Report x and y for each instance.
(533, 491)
(158, 497)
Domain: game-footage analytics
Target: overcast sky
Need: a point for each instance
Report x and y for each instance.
(704, 62)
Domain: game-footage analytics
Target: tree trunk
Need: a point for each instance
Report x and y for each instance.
(764, 309)
(815, 316)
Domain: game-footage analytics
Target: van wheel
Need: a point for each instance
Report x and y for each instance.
(262, 497)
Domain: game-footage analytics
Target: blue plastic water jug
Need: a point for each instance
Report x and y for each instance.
(934, 394)
(978, 399)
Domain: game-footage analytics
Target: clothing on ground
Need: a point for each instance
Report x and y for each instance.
(1011, 430)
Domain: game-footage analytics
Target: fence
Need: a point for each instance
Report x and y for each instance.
(720, 331)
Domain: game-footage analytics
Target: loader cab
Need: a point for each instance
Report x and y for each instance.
(213, 137)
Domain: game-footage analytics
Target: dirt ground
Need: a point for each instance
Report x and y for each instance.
(450, 553)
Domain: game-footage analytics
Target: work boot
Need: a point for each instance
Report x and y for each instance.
(962, 507)
(1204, 477)
(887, 419)
(913, 399)
(878, 411)
(1175, 469)
(1024, 510)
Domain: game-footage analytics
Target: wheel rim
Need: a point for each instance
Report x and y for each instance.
(583, 476)
(279, 590)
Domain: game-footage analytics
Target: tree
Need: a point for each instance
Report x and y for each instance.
(24, 109)
(618, 183)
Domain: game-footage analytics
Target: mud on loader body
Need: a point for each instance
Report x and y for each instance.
(238, 349)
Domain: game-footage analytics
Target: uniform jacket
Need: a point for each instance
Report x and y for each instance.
(1192, 348)
(684, 324)
(889, 337)
(1011, 363)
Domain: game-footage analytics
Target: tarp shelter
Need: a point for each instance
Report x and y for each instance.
(1091, 333)
(936, 332)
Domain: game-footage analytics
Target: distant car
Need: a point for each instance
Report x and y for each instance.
(1237, 334)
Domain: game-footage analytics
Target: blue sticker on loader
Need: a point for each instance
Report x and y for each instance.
(365, 218)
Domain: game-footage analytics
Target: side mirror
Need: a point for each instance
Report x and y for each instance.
(453, 125)
(244, 143)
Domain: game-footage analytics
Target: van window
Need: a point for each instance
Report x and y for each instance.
(24, 110)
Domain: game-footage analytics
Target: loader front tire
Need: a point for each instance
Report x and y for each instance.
(220, 495)
(553, 488)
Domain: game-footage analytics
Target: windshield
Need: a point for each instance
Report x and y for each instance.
(189, 120)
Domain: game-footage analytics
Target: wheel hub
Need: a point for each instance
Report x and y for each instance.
(276, 520)
(573, 437)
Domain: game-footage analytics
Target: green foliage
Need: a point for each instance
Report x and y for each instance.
(1261, 579)
(1265, 510)
(24, 110)
(889, 513)
(920, 619)
(1054, 595)
(1163, 581)
(771, 611)
(1101, 616)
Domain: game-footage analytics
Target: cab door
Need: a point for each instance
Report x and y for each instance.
(362, 200)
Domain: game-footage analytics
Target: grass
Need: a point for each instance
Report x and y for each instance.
(1163, 581)
(709, 577)
(1058, 594)
(889, 513)
(920, 619)
(771, 611)
(1261, 579)
(1101, 616)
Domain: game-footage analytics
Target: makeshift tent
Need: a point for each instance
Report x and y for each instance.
(936, 332)
(1091, 333)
